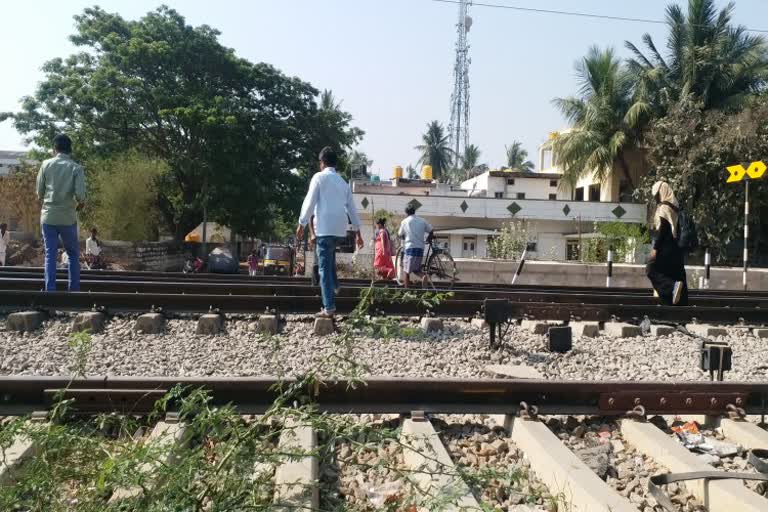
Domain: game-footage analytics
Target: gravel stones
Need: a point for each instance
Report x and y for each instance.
(482, 448)
(459, 351)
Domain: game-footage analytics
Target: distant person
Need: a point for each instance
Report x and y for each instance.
(666, 264)
(329, 199)
(253, 263)
(382, 261)
(5, 239)
(61, 189)
(412, 230)
(93, 249)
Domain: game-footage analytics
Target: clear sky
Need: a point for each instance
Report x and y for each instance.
(390, 61)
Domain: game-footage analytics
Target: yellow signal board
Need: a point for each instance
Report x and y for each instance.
(755, 171)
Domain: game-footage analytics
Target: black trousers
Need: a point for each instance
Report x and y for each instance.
(663, 280)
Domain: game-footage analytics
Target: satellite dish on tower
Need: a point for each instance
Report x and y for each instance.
(467, 22)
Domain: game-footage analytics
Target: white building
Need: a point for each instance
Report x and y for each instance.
(465, 217)
(10, 160)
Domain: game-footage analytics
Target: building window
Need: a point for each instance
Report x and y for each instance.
(498, 195)
(443, 243)
(531, 247)
(521, 195)
(579, 194)
(510, 181)
(553, 197)
(572, 250)
(594, 193)
(552, 183)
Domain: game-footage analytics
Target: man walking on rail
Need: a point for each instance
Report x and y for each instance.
(413, 230)
(329, 199)
(61, 189)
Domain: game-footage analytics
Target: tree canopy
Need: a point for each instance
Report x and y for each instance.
(604, 124)
(231, 132)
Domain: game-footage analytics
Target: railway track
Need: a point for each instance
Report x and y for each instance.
(545, 432)
(136, 292)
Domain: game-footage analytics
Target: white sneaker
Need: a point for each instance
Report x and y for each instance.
(677, 292)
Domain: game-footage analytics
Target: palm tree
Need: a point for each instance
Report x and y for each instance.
(470, 162)
(708, 60)
(328, 101)
(601, 116)
(517, 158)
(435, 151)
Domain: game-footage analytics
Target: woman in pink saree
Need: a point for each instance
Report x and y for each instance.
(383, 251)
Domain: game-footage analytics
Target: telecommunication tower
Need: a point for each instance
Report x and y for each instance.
(459, 128)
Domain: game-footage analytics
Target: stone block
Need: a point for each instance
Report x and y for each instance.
(708, 331)
(761, 333)
(268, 324)
(622, 330)
(26, 321)
(324, 326)
(535, 326)
(211, 323)
(432, 324)
(585, 329)
(90, 321)
(479, 323)
(150, 323)
(662, 330)
(513, 371)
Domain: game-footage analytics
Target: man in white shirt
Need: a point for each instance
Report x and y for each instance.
(92, 244)
(329, 199)
(5, 239)
(412, 231)
(92, 248)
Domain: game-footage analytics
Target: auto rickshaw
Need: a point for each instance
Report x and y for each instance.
(279, 260)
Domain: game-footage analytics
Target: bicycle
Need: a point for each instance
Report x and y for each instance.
(437, 264)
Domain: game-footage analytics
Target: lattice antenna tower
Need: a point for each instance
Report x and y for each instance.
(459, 128)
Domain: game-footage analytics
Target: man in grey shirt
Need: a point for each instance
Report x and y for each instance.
(61, 189)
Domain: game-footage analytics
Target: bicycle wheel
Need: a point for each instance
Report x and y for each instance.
(442, 269)
(399, 265)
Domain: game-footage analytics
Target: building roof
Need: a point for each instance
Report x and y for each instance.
(12, 155)
(467, 231)
(520, 174)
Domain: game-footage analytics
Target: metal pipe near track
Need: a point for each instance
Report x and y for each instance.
(183, 303)
(391, 395)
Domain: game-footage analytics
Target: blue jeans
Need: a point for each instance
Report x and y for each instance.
(68, 235)
(326, 260)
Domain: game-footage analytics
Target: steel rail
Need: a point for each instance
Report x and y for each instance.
(26, 394)
(178, 277)
(182, 303)
(267, 289)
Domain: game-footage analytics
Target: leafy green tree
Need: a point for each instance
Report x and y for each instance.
(435, 151)
(229, 131)
(517, 158)
(123, 197)
(605, 126)
(692, 146)
(411, 173)
(709, 61)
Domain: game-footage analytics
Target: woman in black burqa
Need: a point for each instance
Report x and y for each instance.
(666, 265)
